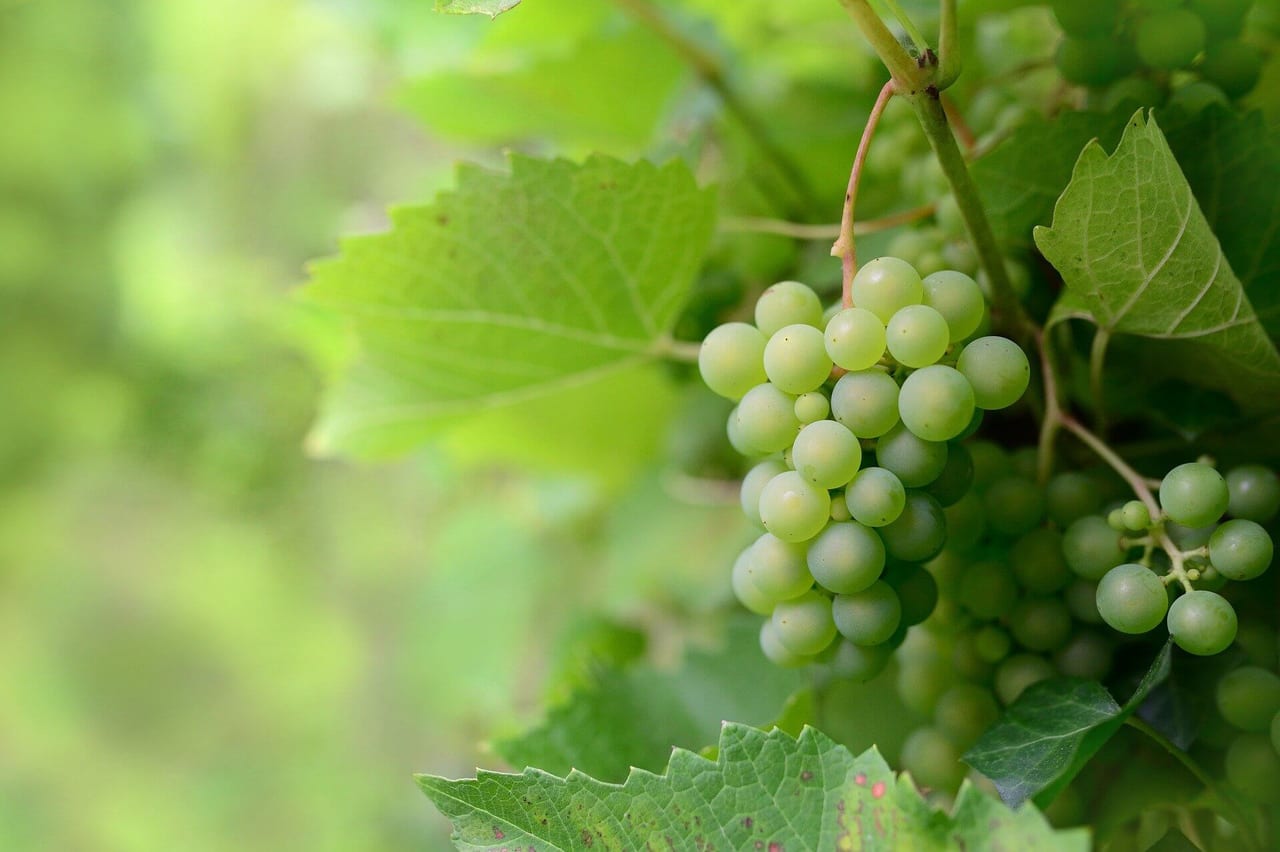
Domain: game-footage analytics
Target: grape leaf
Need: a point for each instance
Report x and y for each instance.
(1138, 257)
(764, 790)
(508, 292)
(633, 716)
(1052, 730)
(492, 8)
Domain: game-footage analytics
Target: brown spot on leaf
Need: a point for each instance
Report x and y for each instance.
(806, 776)
(498, 833)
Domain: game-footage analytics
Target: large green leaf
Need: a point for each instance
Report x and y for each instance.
(492, 8)
(632, 717)
(1052, 730)
(1139, 258)
(516, 296)
(764, 790)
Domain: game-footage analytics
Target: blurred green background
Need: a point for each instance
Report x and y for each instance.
(209, 640)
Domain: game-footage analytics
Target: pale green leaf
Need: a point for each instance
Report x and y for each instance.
(492, 8)
(764, 790)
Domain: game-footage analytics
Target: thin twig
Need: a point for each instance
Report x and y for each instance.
(908, 25)
(762, 225)
(844, 247)
(1052, 419)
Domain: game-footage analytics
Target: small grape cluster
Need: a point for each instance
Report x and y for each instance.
(857, 419)
(1248, 699)
(1134, 47)
(1182, 545)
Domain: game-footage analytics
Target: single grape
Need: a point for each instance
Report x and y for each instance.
(731, 359)
(964, 712)
(1115, 519)
(1194, 494)
(936, 403)
(990, 462)
(992, 643)
(886, 285)
(998, 370)
(1202, 623)
(1018, 672)
(1233, 66)
(913, 460)
(988, 589)
(1014, 505)
(1169, 40)
(1221, 17)
(1248, 697)
(1254, 491)
(1189, 538)
(777, 568)
(947, 568)
(827, 454)
(932, 760)
(1136, 516)
(733, 429)
(875, 497)
(1240, 550)
(787, 303)
(745, 590)
(866, 402)
(1087, 655)
(766, 419)
(1086, 17)
(795, 359)
(1195, 97)
(1070, 496)
(855, 339)
(1258, 641)
(846, 557)
(775, 651)
(839, 509)
(1132, 599)
(1091, 61)
(793, 508)
(1091, 548)
(1082, 599)
(1040, 624)
(1253, 767)
(966, 523)
(803, 625)
(917, 336)
(1038, 562)
(921, 684)
(812, 407)
(956, 478)
(918, 534)
(754, 482)
(1139, 91)
(917, 592)
(958, 299)
(859, 663)
(868, 617)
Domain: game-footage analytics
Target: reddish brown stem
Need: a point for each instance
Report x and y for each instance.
(963, 131)
(844, 246)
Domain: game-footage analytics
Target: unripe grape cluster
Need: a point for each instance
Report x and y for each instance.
(1129, 49)
(856, 422)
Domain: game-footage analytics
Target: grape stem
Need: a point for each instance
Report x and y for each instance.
(908, 25)
(763, 225)
(948, 50)
(677, 350)
(1097, 360)
(1052, 419)
(844, 247)
(907, 72)
(963, 131)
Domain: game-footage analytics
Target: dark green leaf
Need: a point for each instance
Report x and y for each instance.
(1051, 732)
(764, 790)
(492, 8)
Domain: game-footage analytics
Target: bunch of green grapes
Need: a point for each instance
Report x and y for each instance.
(1135, 50)
(1183, 549)
(856, 422)
(1248, 699)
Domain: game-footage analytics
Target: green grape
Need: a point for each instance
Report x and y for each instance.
(1082, 599)
(1087, 655)
(827, 454)
(1025, 462)
(1091, 548)
(936, 403)
(787, 303)
(1221, 17)
(988, 589)
(1135, 516)
(866, 402)
(1133, 90)
(1018, 672)
(777, 568)
(1040, 624)
(966, 522)
(914, 243)
(793, 508)
(868, 617)
(975, 422)
(946, 212)
(958, 299)
(795, 359)
(1202, 623)
(964, 712)
(839, 509)
(733, 428)
(1194, 494)
(990, 462)
(875, 497)
(886, 285)
(998, 370)
(932, 760)
(918, 534)
(754, 482)
(804, 625)
(956, 478)
(1258, 641)
(766, 419)
(917, 592)
(1253, 767)
(917, 336)
(1254, 493)
(947, 568)
(855, 339)
(846, 557)
(731, 359)
(1233, 66)
(920, 685)
(1091, 61)
(859, 663)
(1248, 698)
(913, 460)
(992, 643)
(1188, 538)
(1169, 40)
(960, 257)
(1240, 550)
(1086, 18)
(812, 407)
(1038, 562)
(1115, 519)
(1014, 505)
(1070, 496)
(1132, 599)
(744, 589)
(775, 651)
(1194, 98)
